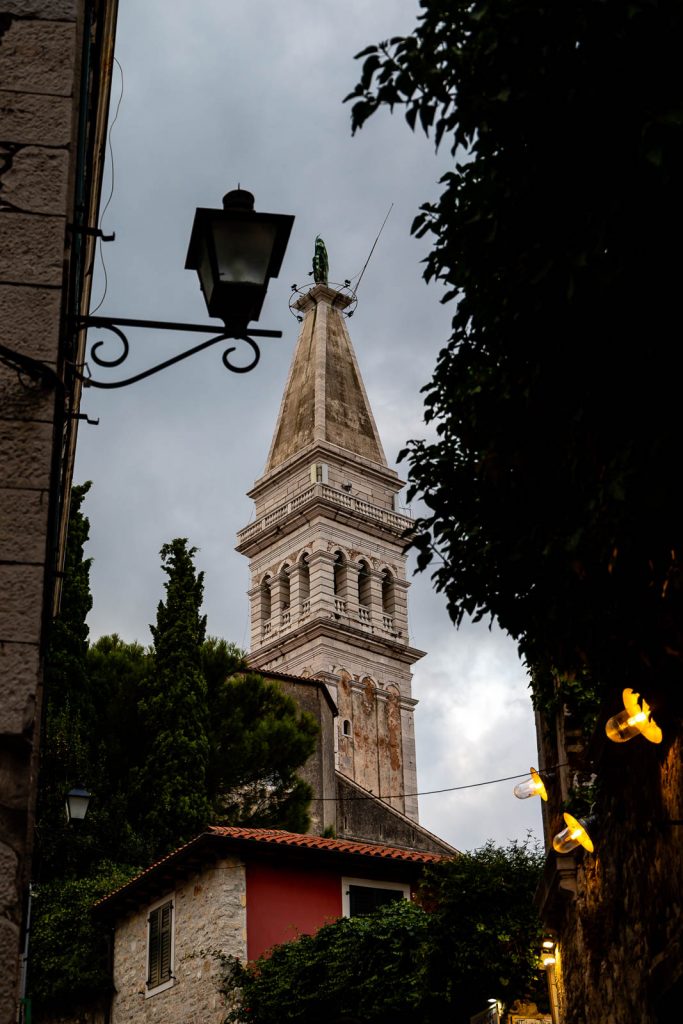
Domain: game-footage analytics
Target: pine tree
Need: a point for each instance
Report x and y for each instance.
(170, 795)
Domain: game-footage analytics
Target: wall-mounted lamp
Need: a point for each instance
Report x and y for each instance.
(531, 786)
(635, 720)
(235, 252)
(77, 801)
(547, 958)
(575, 834)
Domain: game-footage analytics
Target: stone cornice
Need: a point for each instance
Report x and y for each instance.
(325, 500)
(334, 629)
(326, 452)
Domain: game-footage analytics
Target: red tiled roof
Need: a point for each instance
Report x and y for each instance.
(279, 837)
(273, 837)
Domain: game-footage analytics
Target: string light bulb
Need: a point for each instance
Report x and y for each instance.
(531, 786)
(575, 834)
(635, 720)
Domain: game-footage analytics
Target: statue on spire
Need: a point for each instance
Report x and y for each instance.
(321, 266)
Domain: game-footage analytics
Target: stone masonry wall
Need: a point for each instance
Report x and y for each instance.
(209, 911)
(39, 44)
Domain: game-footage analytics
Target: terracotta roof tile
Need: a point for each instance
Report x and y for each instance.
(279, 837)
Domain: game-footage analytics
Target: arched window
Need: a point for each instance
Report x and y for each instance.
(339, 573)
(388, 593)
(364, 592)
(265, 601)
(346, 727)
(339, 582)
(284, 587)
(304, 583)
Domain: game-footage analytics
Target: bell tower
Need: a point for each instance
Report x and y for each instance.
(328, 595)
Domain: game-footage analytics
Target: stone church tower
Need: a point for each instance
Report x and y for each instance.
(328, 574)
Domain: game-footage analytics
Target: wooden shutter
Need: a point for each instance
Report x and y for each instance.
(165, 942)
(160, 923)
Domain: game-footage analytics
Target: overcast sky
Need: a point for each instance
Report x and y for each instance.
(221, 92)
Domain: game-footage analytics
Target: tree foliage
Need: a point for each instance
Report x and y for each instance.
(551, 488)
(259, 738)
(170, 787)
(475, 935)
(69, 957)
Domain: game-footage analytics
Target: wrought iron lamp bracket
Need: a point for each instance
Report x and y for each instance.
(116, 325)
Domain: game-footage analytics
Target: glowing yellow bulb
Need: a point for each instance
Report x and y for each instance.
(635, 720)
(533, 786)
(574, 835)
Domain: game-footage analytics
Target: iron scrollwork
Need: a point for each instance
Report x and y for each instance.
(115, 325)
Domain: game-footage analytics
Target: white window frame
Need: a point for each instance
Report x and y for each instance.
(369, 883)
(169, 898)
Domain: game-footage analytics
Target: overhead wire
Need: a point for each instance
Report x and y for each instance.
(447, 789)
(111, 190)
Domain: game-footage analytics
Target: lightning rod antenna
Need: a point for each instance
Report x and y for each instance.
(355, 290)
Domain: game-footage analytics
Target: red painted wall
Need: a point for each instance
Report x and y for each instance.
(284, 901)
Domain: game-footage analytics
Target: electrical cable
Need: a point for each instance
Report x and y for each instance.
(447, 789)
(101, 216)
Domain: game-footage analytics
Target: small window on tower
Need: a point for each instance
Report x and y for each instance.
(346, 727)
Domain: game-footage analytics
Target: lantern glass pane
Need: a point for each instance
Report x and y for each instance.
(204, 270)
(243, 251)
(76, 806)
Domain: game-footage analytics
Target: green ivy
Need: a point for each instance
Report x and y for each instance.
(69, 964)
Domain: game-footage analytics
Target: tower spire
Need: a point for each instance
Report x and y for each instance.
(328, 593)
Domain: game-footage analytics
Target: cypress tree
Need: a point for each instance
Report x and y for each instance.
(170, 787)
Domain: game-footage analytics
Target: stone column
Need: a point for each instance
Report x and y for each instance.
(255, 617)
(401, 608)
(375, 598)
(352, 569)
(321, 565)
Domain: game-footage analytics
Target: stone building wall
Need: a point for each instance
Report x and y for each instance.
(209, 913)
(41, 45)
(618, 912)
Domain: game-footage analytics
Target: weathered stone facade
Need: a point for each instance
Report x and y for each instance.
(328, 593)
(209, 911)
(618, 913)
(50, 148)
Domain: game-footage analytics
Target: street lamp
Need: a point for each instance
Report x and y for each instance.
(77, 800)
(235, 252)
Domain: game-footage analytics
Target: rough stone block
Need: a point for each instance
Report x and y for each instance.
(28, 119)
(31, 248)
(23, 524)
(38, 57)
(26, 454)
(36, 179)
(23, 401)
(20, 616)
(8, 876)
(9, 956)
(19, 680)
(29, 321)
(53, 10)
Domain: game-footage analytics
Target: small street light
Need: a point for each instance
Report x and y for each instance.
(77, 800)
(235, 252)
